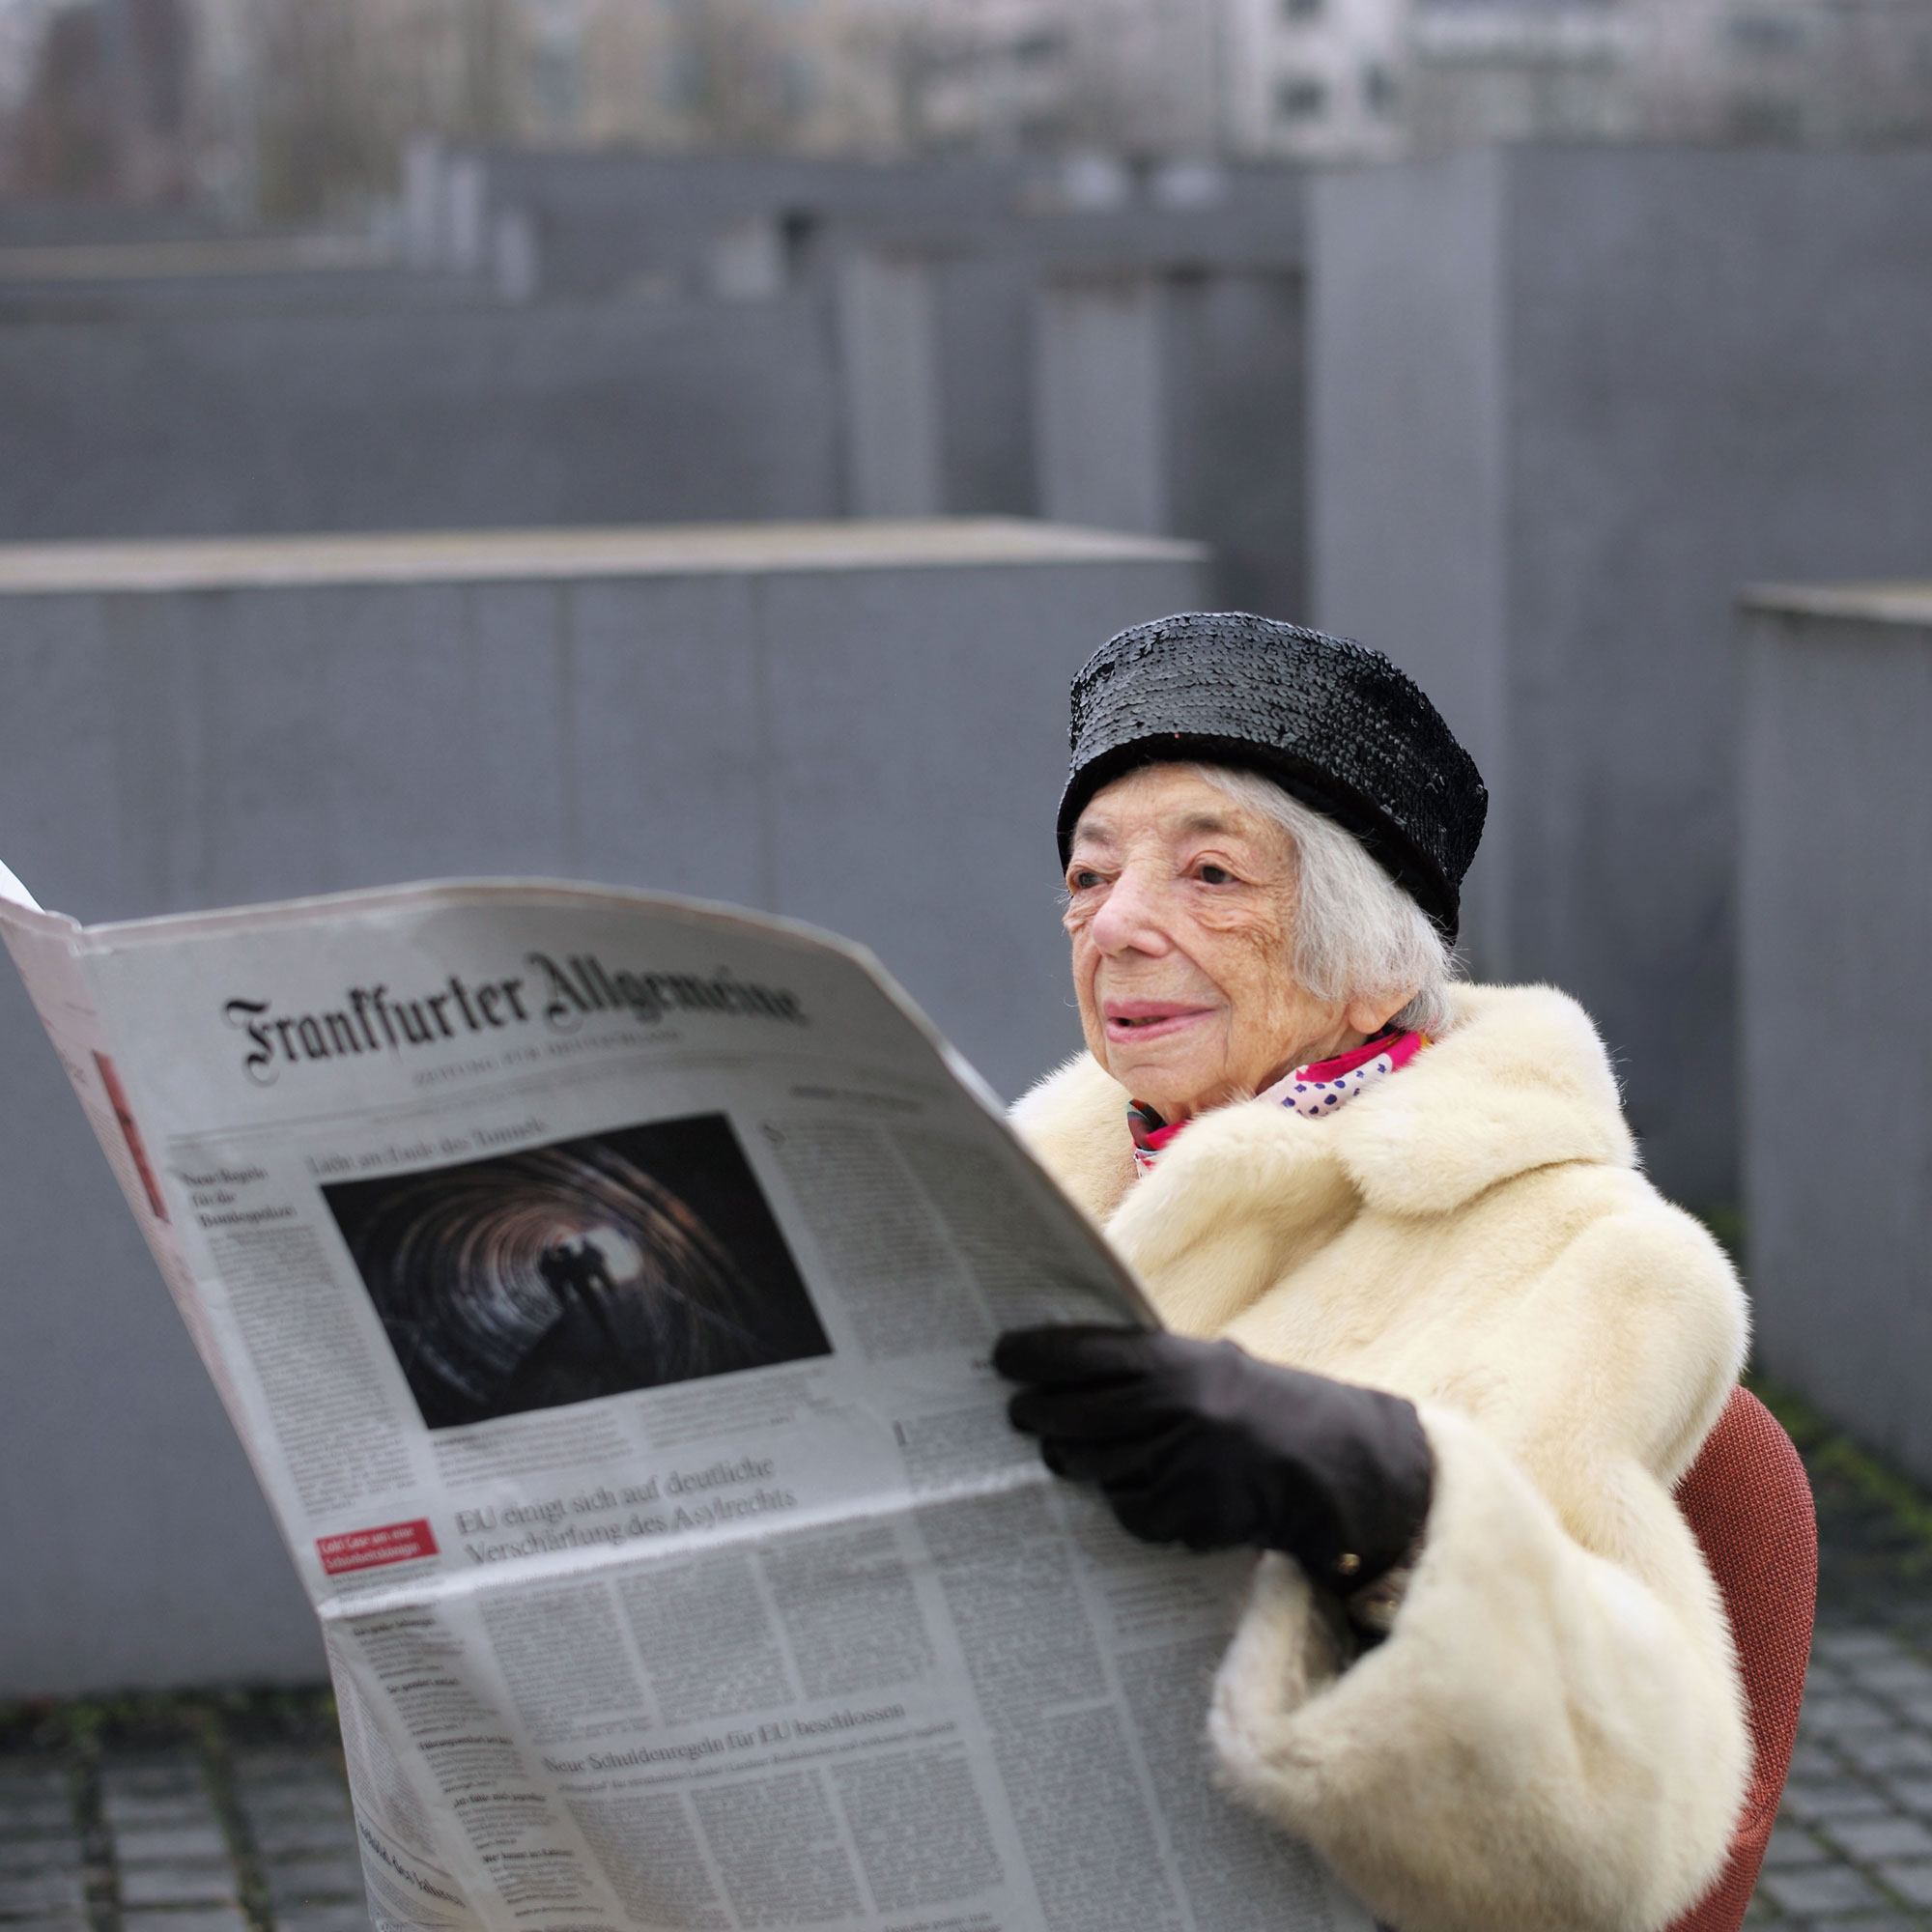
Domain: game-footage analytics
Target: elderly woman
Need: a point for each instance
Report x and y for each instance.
(1435, 1343)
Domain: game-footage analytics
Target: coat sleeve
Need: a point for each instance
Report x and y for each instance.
(1546, 1741)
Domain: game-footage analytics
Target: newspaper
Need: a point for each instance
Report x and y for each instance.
(602, 1286)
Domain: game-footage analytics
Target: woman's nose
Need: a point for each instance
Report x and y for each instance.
(1132, 918)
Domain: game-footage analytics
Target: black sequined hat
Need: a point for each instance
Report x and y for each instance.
(1336, 725)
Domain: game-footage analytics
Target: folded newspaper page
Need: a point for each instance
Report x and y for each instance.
(603, 1287)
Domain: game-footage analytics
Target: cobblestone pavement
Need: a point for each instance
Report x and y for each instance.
(1852, 1846)
(225, 1814)
(215, 1840)
(187, 1840)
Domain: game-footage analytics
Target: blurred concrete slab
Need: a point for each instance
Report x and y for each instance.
(1564, 402)
(1835, 933)
(860, 725)
(276, 409)
(617, 337)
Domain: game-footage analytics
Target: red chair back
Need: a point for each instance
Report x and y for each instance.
(1748, 1502)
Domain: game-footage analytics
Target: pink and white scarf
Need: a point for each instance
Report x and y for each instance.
(1321, 1087)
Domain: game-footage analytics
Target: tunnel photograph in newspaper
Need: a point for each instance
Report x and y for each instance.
(587, 1268)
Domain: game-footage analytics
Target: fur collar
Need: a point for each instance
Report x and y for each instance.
(1519, 1081)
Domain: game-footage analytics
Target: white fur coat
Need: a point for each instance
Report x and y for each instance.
(1553, 1736)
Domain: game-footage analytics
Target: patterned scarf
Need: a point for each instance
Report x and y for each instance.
(1316, 1091)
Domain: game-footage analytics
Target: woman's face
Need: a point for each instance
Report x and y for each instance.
(1181, 911)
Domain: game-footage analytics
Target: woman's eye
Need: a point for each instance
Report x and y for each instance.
(1214, 875)
(1083, 882)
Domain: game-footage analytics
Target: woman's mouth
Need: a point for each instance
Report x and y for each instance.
(1141, 1020)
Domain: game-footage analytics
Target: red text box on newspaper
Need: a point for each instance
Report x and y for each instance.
(365, 1549)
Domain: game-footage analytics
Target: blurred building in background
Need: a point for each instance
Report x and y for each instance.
(296, 108)
(1140, 77)
(1367, 79)
(299, 108)
(100, 98)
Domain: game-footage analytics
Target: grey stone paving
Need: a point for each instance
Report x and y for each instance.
(179, 1841)
(244, 1840)
(1853, 1847)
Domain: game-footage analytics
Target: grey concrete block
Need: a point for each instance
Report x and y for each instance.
(299, 1795)
(39, 1853)
(1813, 1760)
(184, 1800)
(1820, 1889)
(1234, 383)
(1876, 1840)
(280, 1835)
(127, 1780)
(169, 1844)
(227, 1919)
(414, 401)
(319, 1810)
(293, 1881)
(1889, 1752)
(36, 1814)
(341, 1917)
(1792, 1845)
(1124, 388)
(1835, 919)
(1915, 1794)
(891, 388)
(1843, 1647)
(41, 1894)
(147, 1886)
(442, 418)
(611, 219)
(859, 726)
(1553, 429)
(1868, 1921)
(186, 1814)
(31, 1781)
(1101, 438)
(1913, 1881)
(1856, 1643)
(1833, 1716)
(1813, 1801)
(282, 1779)
(1894, 1677)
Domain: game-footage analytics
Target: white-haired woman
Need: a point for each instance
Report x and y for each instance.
(1436, 1346)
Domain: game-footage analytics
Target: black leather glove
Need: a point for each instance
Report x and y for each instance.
(1198, 1443)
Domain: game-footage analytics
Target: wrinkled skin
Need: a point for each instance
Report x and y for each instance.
(1180, 907)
